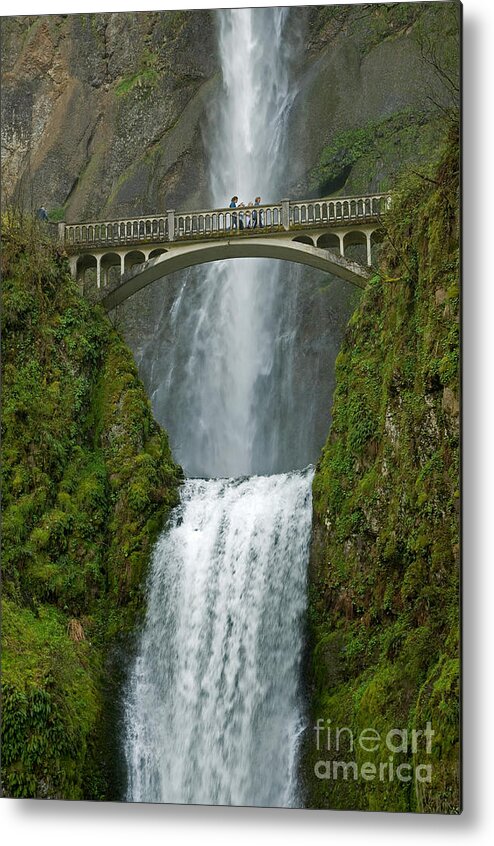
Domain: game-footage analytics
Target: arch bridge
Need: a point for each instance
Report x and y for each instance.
(126, 255)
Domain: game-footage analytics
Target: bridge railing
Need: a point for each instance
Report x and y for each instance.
(317, 212)
(117, 231)
(176, 226)
(221, 221)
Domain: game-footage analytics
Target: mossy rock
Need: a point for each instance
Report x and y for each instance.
(384, 572)
(88, 482)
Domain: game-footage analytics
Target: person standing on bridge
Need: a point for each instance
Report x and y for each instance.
(241, 216)
(42, 214)
(257, 215)
(233, 205)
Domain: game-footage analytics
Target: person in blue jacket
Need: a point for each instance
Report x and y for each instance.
(233, 205)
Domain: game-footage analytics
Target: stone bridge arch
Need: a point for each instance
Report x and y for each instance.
(181, 257)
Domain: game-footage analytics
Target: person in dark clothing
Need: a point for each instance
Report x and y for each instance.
(257, 215)
(42, 214)
(241, 216)
(233, 205)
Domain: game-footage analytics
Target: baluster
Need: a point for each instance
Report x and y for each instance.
(285, 213)
(171, 224)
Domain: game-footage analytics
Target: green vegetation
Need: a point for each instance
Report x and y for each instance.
(384, 577)
(57, 215)
(379, 148)
(88, 480)
(145, 78)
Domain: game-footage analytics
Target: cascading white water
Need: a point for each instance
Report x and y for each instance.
(217, 674)
(213, 711)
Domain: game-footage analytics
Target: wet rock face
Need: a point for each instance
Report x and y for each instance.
(101, 113)
(104, 115)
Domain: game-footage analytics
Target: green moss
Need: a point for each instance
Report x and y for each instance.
(57, 214)
(384, 581)
(381, 147)
(50, 704)
(144, 78)
(88, 480)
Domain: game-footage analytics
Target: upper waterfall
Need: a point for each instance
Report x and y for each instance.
(247, 133)
(229, 348)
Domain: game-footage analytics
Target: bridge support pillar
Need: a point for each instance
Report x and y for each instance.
(61, 232)
(285, 214)
(171, 224)
(98, 271)
(342, 244)
(122, 264)
(369, 248)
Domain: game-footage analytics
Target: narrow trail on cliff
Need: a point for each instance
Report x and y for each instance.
(213, 706)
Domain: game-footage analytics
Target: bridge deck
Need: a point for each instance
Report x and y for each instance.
(287, 216)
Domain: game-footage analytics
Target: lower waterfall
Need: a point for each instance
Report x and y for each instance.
(213, 710)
